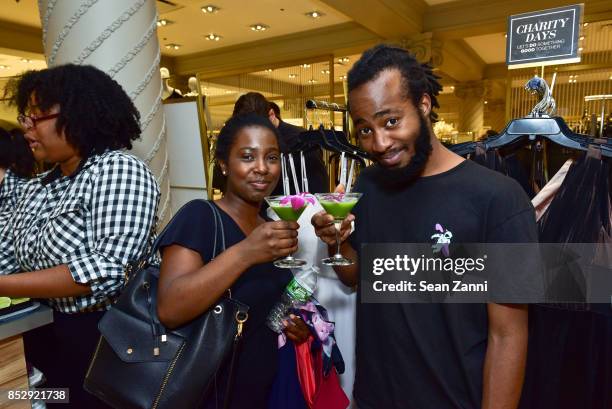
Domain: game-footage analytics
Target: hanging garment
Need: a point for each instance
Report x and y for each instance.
(570, 346)
(510, 165)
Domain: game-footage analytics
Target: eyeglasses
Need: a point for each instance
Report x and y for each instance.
(28, 122)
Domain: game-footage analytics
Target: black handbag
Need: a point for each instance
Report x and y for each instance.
(138, 364)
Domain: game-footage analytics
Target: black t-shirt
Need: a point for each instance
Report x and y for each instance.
(260, 287)
(425, 356)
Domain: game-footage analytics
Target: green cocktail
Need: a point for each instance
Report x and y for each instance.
(288, 210)
(339, 205)
(338, 209)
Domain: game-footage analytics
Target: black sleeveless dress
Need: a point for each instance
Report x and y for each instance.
(260, 287)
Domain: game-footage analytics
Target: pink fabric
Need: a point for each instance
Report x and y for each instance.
(319, 392)
(543, 199)
(306, 371)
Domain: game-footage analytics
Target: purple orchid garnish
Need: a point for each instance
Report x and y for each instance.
(298, 201)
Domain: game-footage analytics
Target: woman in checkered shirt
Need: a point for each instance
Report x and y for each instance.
(76, 226)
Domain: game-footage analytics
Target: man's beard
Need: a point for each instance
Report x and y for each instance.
(398, 178)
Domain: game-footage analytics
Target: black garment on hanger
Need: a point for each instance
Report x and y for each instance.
(569, 362)
(315, 167)
(511, 165)
(174, 94)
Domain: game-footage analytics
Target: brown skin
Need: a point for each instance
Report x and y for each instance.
(188, 285)
(52, 147)
(387, 124)
(47, 144)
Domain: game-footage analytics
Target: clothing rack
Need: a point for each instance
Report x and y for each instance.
(331, 158)
(325, 106)
(312, 104)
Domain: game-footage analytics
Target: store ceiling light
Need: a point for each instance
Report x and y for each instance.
(315, 14)
(210, 9)
(269, 70)
(580, 48)
(305, 65)
(324, 71)
(486, 102)
(173, 46)
(259, 27)
(581, 38)
(343, 60)
(586, 24)
(342, 77)
(4, 67)
(25, 60)
(312, 81)
(292, 75)
(213, 37)
(164, 22)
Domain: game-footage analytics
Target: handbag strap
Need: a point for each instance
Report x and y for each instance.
(134, 266)
(219, 230)
(218, 248)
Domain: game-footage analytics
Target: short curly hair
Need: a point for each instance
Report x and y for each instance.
(252, 102)
(417, 78)
(95, 112)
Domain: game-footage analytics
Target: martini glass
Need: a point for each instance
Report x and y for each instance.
(288, 211)
(339, 205)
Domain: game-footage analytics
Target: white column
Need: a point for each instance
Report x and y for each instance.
(120, 38)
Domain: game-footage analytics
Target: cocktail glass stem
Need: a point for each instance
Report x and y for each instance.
(338, 226)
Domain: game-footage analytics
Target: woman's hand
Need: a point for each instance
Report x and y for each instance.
(296, 330)
(270, 241)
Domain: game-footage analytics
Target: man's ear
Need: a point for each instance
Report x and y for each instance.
(425, 105)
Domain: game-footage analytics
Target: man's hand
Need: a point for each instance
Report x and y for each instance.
(324, 227)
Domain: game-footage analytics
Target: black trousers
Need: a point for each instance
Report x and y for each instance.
(62, 351)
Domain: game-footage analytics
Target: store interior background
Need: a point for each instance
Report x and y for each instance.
(292, 51)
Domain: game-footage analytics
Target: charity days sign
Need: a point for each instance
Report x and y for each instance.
(544, 37)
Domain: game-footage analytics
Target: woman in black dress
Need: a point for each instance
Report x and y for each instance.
(249, 157)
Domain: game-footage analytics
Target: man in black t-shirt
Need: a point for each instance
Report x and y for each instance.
(427, 356)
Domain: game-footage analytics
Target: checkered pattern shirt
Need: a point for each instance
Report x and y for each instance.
(94, 221)
(10, 189)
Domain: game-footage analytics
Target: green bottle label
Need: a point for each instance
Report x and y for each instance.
(297, 292)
